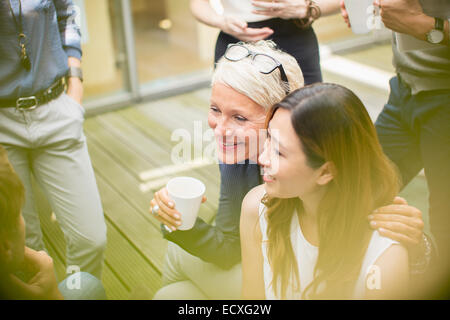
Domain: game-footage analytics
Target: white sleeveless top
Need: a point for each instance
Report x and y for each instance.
(242, 9)
(309, 253)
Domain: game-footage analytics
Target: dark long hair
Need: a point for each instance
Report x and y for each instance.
(333, 126)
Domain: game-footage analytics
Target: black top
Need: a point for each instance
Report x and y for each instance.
(302, 44)
(220, 244)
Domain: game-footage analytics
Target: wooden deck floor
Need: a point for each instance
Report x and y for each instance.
(126, 143)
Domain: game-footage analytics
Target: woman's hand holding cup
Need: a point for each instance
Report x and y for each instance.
(166, 212)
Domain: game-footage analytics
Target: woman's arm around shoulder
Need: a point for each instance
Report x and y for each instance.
(251, 237)
(389, 278)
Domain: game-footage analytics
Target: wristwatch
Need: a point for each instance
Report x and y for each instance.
(75, 72)
(436, 35)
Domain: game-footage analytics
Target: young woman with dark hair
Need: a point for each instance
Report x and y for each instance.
(324, 173)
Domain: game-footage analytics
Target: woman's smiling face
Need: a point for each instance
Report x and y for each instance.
(285, 166)
(238, 124)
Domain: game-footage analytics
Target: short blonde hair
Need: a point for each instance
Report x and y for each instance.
(265, 89)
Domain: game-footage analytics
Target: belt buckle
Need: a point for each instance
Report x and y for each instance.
(20, 102)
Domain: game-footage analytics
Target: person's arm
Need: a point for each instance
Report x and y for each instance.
(217, 244)
(71, 43)
(251, 240)
(203, 12)
(74, 84)
(210, 243)
(68, 29)
(293, 9)
(328, 7)
(393, 272)
(407, 16)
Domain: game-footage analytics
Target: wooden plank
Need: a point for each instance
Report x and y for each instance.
(45, 211)
(115, 289)
(56, 246)
(122, 152)
(142, 127)
(197, 100)
(377, 56)
(132, 267)
(124, 183)
(143, 141)
(140, 233)
(153, 129)
(59, 262)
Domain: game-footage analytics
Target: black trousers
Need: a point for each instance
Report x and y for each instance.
(300, 43)
(414, 131)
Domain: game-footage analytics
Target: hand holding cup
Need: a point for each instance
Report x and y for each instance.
(164, 207)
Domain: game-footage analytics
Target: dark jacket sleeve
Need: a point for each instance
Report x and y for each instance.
(220, 244)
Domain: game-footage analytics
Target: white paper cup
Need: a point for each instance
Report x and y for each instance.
(187, 194)
(360, 15)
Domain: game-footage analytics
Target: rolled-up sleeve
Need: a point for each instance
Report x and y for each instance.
(66, 13)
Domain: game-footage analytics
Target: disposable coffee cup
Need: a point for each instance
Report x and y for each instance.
(360, 14)
(187, 194)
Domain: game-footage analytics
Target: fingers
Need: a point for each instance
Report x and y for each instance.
(23, 289)
(164, 196)
(163, 217)
(405, 210)
(239, 30)
(410, 221)
(255, 34)
(400, 200)
(344, 13)
(35, 260)
(403, 222)
(405, 240)
(398, 228)
(236, 28)
(266, 12)
(258, 31)
(239, 24)
(267, 5)
(165, 214)
(31, 255)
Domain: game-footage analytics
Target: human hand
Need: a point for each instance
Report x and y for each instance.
(43, 284)
(74, 84)
(405, 16)
(344, 13)
(167, 214)
(400, 222)
(75, 89)
(284, 9)
(238, 29)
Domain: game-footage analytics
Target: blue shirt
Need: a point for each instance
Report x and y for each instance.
(52, 37)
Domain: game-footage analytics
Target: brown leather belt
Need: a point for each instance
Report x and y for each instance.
(32, 102)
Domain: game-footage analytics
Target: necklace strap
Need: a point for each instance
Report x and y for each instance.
(18, 24)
